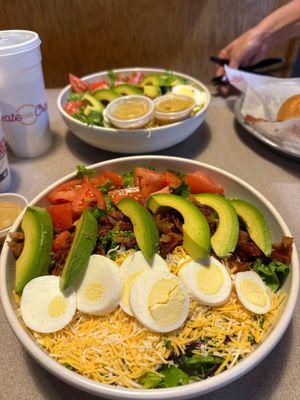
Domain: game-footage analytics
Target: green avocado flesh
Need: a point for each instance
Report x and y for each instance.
(82, 247)
(107, 95)
(196, 235)
(224, 240)
(255, 224)
(153, 79)
(127, 89)
(94, 104)
(35, 257)
(152, 91)
(144, 227)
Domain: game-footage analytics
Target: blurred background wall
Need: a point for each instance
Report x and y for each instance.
(85, 36)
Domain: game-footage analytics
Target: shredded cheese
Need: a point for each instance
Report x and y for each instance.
(117, 349)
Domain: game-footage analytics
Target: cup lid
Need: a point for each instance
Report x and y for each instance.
(17, 41)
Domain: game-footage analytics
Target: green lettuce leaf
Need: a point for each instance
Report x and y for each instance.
(273, 274)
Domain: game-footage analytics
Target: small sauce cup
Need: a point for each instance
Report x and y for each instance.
(173, 107)
(130, 112)
(11, 206)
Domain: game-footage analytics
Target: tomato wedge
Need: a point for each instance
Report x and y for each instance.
(88, 196)
(199, 182)
(60, 240)
(73, 107)
(62, 216)
(77, 85)
(172, 179)
(119, 194)
(115, 178)
(148, 181)
(65, 192)
(101, 84)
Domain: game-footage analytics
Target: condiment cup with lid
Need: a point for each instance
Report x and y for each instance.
(11, 206)
(130, 112)
(173, 107)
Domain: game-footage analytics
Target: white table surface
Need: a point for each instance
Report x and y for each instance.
(220, 142)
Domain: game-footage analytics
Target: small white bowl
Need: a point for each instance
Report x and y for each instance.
(20, 200)
(134, 141)
(134, 122)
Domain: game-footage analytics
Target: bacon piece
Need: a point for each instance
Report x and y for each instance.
(16, 243)
(282, 251)
(246, 249)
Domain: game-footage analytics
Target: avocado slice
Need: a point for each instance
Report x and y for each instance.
(126, 89)
(224, 240)
(107, 95)
(196, 235)
(35, 257)
(83, 244)
(153, 80)
(152, 91)
(144, 227)
(94, 104)
(255, 224)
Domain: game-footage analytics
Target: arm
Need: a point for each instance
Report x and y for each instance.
(253, 45)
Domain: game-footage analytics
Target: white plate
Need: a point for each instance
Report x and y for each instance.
(269, 142)
(133, 141)
(234, 187)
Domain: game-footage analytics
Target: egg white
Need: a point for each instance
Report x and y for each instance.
(189, 275)
(100, 289)
(255, 278)
(133, 266)
(40, 296)
(139, 300)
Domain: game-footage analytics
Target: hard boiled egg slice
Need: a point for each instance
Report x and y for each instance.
(44, 307)
(159, 301)
(190, 91)
(133, 266)
(208, 281)
(100, 288)
(252, 292)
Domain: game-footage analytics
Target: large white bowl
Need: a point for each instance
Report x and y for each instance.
(234, 187)
(133, 141)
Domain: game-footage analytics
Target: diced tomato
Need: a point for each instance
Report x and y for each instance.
(101, 84)
(115, 178)
(119, 194)
(78, 86)
(166, 189)
(135, 78)
(73, 107)
(98, 180)
(172, 179)
(148, 181)
(65, 192)
(88, 196)
(62, 216)
(60, 240)
(199, 182)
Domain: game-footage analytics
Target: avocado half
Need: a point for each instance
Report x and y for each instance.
(126, 89)
(82, 247)
(35, 257)
(196, 234)
(144, 227)
(255, 224)
(107, 95)
(224, 240)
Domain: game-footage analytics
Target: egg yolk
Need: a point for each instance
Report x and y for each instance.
(210, 279)
(94, 291)
(127, 286)
(166, 302)
(57, 307)
(253, 292)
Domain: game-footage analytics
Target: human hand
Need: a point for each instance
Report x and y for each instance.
(247, 49)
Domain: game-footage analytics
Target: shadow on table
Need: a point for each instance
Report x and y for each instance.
(258, 384)
(189, 148)
(288, 163)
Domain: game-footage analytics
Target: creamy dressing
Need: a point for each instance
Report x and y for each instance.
(8, 213)
(130, 109)
(174, 103)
